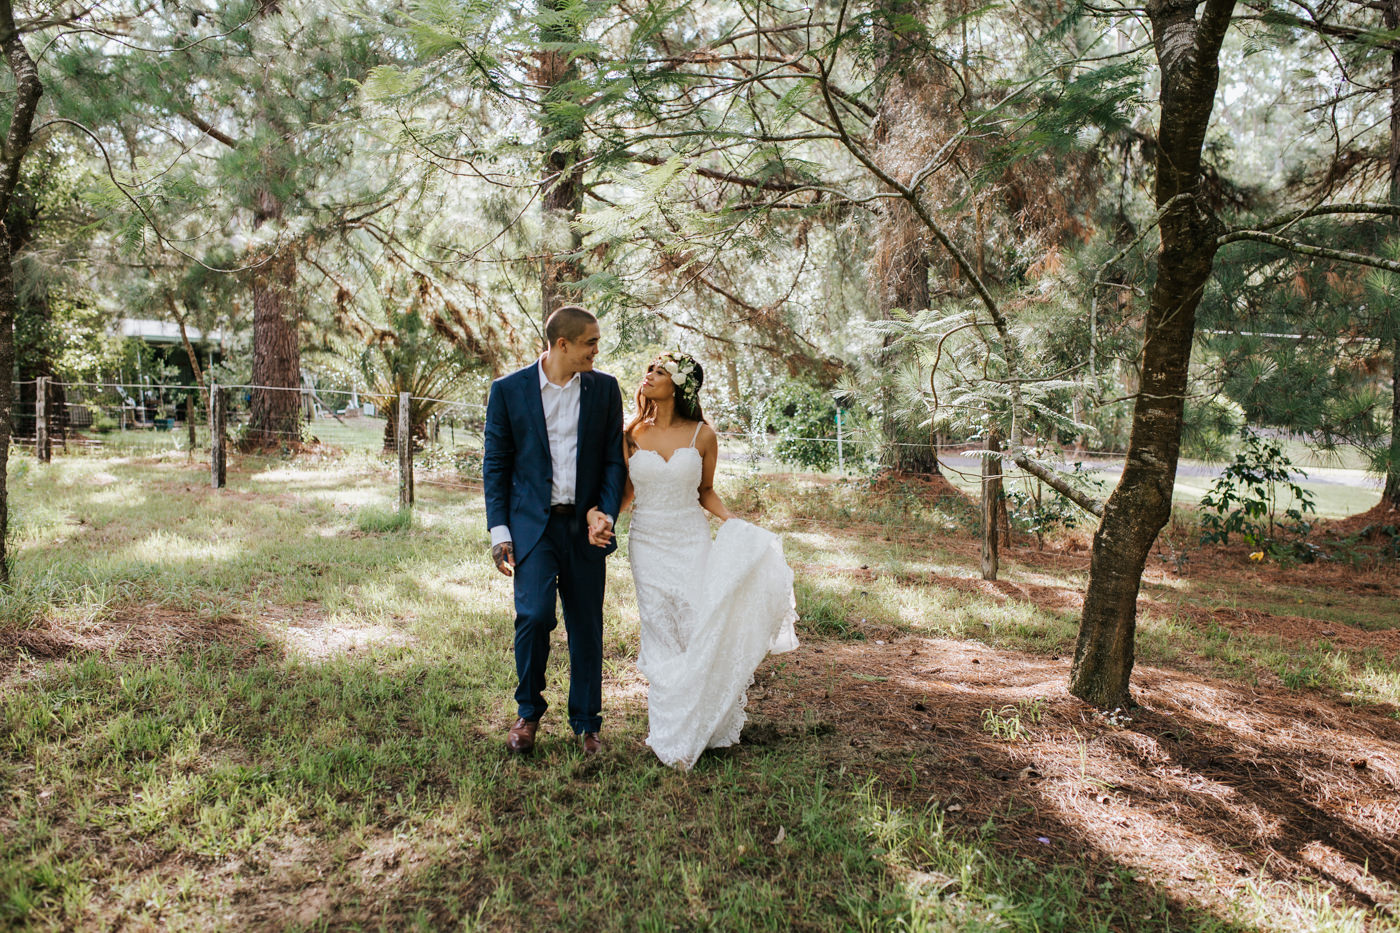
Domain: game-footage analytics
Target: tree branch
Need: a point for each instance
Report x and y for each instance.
(744, 180)
(208, 129)
(1307, 249)
(1056, 482)
(1353, 207)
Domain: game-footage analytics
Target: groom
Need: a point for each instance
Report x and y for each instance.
(553, 475)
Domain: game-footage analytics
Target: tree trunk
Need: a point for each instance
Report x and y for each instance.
(1140, 505)
(1391, 494)
(28, 90)
(562, 177)
(906, 448)
(901, 265)
(195, 368)
(991, 507)
(276, 409)
(275, 418)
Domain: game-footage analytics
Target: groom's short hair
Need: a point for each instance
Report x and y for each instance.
(568, 322)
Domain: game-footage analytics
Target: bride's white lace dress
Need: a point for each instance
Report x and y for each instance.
(710, 610)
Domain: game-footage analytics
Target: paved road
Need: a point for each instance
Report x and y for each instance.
(1331, 476)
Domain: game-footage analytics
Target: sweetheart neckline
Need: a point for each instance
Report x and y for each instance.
(658, 454)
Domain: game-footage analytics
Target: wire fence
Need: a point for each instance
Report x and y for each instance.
(265, 424)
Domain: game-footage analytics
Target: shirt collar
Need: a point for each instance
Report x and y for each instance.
(544, 380)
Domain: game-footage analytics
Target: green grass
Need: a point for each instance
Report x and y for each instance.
(379, 520)
(322, 747)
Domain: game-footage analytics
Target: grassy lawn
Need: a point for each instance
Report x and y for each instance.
(282, 706)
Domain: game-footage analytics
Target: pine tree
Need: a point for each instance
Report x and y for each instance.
(18, 138)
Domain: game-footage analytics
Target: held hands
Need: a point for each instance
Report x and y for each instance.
(503, 555)
(600, 528)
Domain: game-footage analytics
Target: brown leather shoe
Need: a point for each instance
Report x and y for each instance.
(592, 745)
(521, 738)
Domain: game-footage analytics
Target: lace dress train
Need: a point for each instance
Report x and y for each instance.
(710, 609)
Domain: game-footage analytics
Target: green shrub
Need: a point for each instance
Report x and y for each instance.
(804, 419)
(1244, 500)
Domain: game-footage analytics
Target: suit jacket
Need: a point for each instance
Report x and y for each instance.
(517, 471)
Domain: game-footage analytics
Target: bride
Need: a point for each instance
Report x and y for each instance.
(710, 610)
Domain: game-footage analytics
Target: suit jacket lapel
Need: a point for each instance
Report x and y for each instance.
(585, 416)
(530, 385)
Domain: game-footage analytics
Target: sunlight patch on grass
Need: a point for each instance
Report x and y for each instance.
(360, 495)
(1379, 681)
(163, 547)
(332, 472)
(117, 495)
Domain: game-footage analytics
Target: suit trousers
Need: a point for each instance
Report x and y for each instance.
(562, 568)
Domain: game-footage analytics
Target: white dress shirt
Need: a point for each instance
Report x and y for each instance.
(561, 408)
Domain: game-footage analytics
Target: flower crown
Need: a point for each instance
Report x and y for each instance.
(681, 367)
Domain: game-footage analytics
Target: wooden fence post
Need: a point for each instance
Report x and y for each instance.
(404, 439)
(218, 453)
(189, 420)
(991, 502)
(41, 419)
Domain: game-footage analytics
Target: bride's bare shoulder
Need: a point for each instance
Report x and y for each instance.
(634, 436)
(706, 436)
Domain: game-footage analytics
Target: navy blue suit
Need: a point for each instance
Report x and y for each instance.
(553, 559)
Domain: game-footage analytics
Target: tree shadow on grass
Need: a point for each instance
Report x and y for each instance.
(130, 633)
(1211, 790)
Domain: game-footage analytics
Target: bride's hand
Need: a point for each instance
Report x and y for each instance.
(600, 528)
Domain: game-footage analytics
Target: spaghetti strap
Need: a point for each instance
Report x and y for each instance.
(697, 433)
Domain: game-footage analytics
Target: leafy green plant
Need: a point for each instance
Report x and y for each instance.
(804, 419)
(1245, 499)
(428, 351)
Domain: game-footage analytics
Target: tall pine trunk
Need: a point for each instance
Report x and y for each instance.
(904, 287)
(1187, 53)
(1391, 495)
(901, 265)
(275, 418)
(561, 264)
(28, 90)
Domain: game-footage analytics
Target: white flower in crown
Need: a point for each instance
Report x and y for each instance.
(672, 367)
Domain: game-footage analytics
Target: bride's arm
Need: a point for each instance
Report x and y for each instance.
(708, 445)
(628, 493)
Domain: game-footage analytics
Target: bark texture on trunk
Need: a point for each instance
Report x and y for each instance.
(28, 90)
(992, 508)
(1187, 53)
(561, 264)
(275, 418)
(276, 405)
(905, 288)
(901, 264)
(1391, 494)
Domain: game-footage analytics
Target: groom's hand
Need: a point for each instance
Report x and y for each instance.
(504, 556)
(600, 528)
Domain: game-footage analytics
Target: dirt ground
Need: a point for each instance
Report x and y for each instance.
(1209, 785)
(1203, 787)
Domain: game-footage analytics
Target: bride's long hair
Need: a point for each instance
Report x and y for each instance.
(687, 393)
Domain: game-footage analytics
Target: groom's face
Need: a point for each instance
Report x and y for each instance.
(578, 354)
